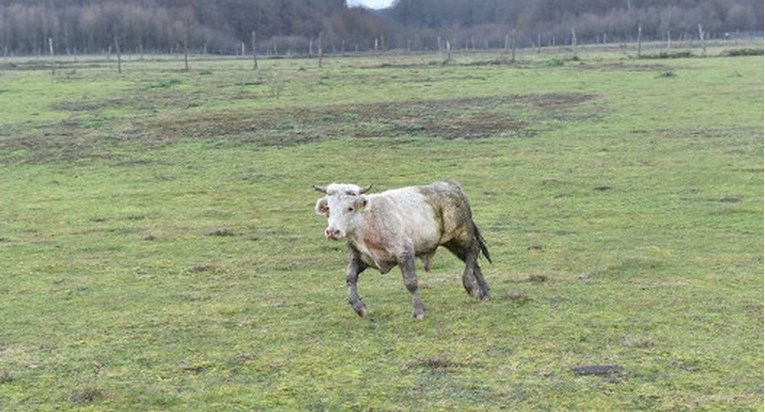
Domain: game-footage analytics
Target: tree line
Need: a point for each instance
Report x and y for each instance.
(547, 20)
(293, 26)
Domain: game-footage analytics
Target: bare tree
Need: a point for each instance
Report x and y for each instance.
(703, 43)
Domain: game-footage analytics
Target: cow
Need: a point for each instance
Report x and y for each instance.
(394, 227)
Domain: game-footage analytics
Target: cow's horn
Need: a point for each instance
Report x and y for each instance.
(366, 189)
(322, 189)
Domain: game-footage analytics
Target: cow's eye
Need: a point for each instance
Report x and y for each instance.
(350, 209)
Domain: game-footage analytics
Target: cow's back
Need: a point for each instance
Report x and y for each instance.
(408, 213)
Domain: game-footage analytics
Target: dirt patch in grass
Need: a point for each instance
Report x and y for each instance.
(5, 377)
(609, 373)
(204, 267)
(466, 118)
(518, 298)
(632, 67)
(87, 106)
(449, 119)
(220, 231)
(725, 133)
(85, 395)
(441, 362)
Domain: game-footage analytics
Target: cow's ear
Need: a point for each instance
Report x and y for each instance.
(360, 203)
(322, 207)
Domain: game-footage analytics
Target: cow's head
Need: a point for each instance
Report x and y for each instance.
(343, 205)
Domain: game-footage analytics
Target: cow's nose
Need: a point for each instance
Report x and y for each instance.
(332, 233)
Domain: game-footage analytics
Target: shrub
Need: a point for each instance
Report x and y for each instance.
(742, 52)
(667, 74)
(668, 55)
(555, 62)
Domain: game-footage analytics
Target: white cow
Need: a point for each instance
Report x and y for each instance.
(393, 227)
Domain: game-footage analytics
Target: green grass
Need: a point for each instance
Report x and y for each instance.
(159, 251)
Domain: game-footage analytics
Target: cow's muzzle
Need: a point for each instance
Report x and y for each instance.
(333, 234)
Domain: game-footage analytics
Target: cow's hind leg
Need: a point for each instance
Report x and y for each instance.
(468, 276)
(406, 261)
(483, 287)
(470, 257)
(473, 274)
(472, 277)
(355, 267)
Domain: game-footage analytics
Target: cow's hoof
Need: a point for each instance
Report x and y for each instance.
(362, 312)
(418, 316)
(471, 288)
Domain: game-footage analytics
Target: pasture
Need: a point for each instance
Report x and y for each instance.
(159, 248)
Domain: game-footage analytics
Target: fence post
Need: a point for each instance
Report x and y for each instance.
(52, 56)
(573, 42)
(254, 52)
(119, 55)
(449, 47)
(321, 57)
(640, 40)
(186, 49)
(539, 42)
(513, 42)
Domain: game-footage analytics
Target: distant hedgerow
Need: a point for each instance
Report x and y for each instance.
(742, 52)
(555, 62)
(668, 55)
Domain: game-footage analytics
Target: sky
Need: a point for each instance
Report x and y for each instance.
(372, 4)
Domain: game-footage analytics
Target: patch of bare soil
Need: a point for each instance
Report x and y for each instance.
(467, 118)
(450, 119)
(87, 106)
(632, 67)
(609, 373)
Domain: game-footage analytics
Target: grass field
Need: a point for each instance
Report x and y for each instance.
(159, 249)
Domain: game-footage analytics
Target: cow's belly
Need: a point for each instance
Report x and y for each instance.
(426, 238)
(375, 256)
(384, 260)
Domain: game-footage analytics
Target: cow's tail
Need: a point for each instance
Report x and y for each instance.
(481, 242)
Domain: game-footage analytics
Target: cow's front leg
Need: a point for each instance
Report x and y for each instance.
(355, 267)
(406, 261)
